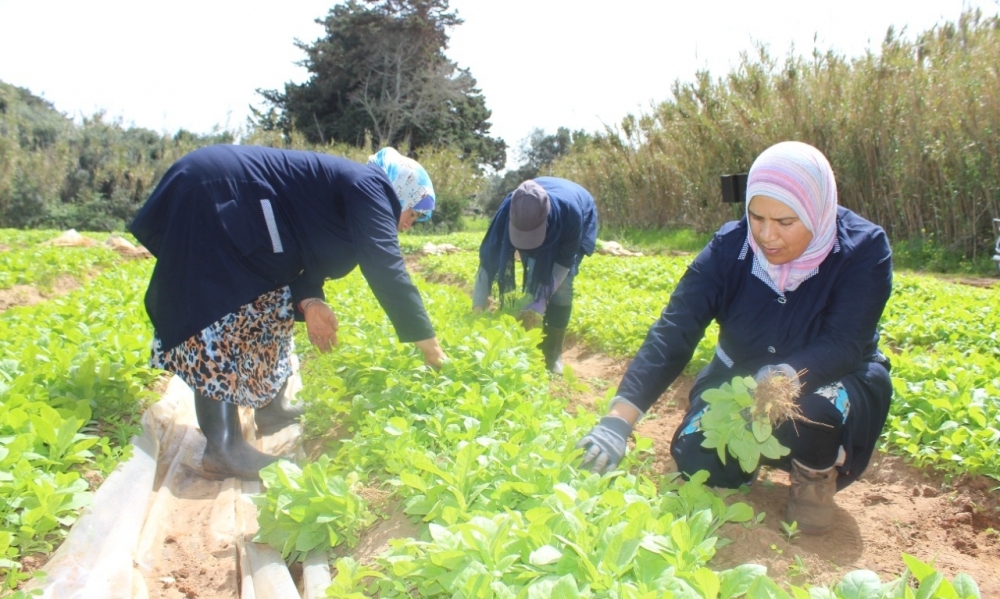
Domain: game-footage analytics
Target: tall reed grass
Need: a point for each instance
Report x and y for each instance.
(912, 131)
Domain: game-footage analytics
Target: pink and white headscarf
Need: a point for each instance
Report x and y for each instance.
(799, 176)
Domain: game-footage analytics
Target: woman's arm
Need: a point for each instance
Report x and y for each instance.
(373, 226)
(672, 339)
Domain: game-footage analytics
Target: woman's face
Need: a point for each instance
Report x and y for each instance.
(406, 219)
(779, 233)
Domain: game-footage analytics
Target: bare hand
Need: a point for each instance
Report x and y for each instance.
(322, 325)
(433, 354)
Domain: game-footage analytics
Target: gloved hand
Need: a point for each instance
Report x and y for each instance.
(537, 306)
(604, 446)
(775, 370)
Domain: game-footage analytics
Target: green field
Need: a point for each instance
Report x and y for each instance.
(481, 453)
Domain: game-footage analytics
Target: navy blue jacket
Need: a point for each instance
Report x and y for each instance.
(228, 223)
(827, 326)
(571, 232)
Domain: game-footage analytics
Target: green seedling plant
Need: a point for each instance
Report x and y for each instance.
(791, 530)
(734, 424)
(73, 383)
(798, 568)
(305, 508)
(352, 580)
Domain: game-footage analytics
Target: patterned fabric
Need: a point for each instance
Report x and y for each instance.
(799, 176)
(410, 180)
(695, 424)
(837, 395)
(242, 358)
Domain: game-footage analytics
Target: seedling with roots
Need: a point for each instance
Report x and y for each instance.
(774, 399)
(742, 415)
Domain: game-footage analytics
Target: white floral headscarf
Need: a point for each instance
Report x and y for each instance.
(410, 181)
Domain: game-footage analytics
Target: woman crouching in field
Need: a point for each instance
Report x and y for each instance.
(798, 288)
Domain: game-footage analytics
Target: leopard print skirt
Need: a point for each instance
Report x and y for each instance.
(243, 358)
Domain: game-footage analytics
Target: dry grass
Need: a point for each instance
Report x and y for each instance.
(910, 129)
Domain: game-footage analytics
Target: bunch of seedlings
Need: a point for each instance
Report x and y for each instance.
(742, 416)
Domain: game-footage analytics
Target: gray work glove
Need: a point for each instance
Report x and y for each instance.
(775, 370)
(604, 446)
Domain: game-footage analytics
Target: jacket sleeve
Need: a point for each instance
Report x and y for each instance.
(304, 287)
(672, 339)
(851, 318)
(373, 225)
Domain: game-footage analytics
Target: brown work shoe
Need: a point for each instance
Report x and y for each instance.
(810, 499)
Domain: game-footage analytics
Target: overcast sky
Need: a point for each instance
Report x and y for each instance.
(581, 64)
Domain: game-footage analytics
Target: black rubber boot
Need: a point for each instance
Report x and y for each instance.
(552, 348)
(277, 414)
(227, 453)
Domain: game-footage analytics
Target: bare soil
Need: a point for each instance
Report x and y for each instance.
(984, 282)
(29, 295)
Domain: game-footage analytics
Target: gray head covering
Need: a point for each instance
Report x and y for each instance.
(529, 213)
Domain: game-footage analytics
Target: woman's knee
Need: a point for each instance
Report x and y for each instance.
(814, 438)
(691, 457)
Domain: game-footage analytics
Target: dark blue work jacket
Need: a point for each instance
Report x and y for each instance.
(571, 232)
(827, 326)
(228, 223)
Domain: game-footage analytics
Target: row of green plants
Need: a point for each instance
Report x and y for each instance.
(483, 457)
(946, 374)
(601, 293)
(74, 382)
(40, 265)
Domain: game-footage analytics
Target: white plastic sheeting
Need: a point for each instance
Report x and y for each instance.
(115, 549)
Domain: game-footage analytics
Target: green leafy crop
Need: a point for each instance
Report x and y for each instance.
(731, 425)
(310, 507)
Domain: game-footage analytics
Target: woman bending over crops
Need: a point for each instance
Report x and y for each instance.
(797, 287)
(552, 224)
(244, 238)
